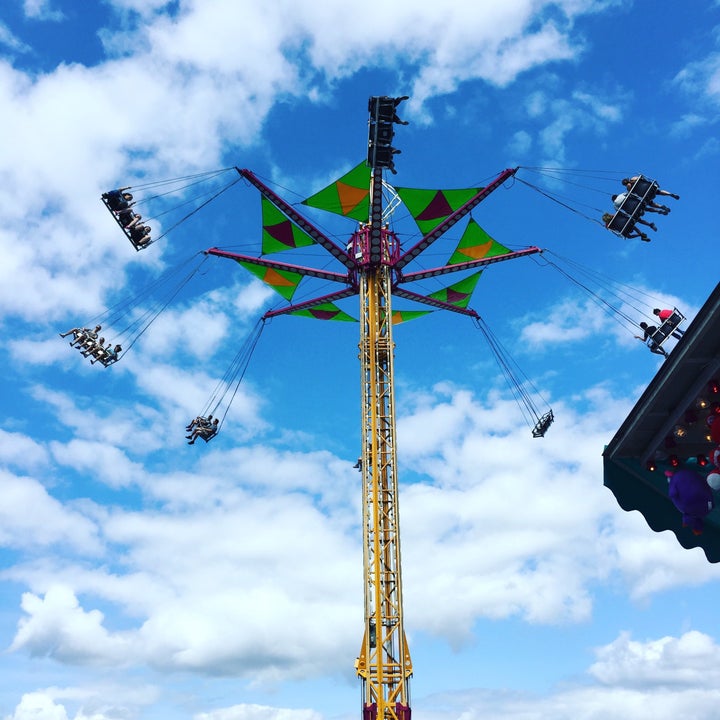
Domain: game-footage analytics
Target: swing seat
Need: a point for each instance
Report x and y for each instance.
(542, 425)
(667, 328)
(644, 188)
(633, 207)
(128, 232)
(621, 224)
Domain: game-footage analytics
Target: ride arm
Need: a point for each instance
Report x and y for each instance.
(321, 239)
(409, 295)
(433, 235)
(446, 269)
(277, 265)
(332, 297)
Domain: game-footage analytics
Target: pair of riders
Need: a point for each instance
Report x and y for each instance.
(203, 427)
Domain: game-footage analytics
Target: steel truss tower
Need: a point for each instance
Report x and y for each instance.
(384, 663)
(374, 270)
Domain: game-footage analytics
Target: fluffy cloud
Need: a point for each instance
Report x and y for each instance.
(56, 625)
(702, 79)
(98, 702)
(222, 567)
(30, 517)
(258, 712)
(41, 10)
(10, 41)
(578, 704)
(688, 661)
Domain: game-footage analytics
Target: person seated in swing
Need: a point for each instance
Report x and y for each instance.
(648, 332)
(107, 355)
(98, 352)
(200, 421)
(206, 432)
(664, 315)
(128, 218)
(629, 182)
(628, 232)
(75, 332)
(85, 336)
(140, 235)
(118, 199)
(92, 347)
(543, 423)
(648, 205)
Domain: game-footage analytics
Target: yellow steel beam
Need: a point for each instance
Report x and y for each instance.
(384, 663)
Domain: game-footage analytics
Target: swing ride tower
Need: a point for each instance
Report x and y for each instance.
(374, 264)
(384, 663)
(374, 269)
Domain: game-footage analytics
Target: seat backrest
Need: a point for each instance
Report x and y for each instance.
(630, 204)
(621, 223)
(644, 188)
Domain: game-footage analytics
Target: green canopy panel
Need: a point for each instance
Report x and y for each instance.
(279, 233)
(349, 196)
(284, 282)
(459, 293)
(476, 244)
(324, 311)
(430, 207)
(401, 316)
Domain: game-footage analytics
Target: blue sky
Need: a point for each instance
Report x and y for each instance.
(143, 578)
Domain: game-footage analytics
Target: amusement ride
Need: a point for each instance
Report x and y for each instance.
(374, 265)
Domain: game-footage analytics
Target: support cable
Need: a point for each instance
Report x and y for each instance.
(513, 374)
(154, 311)
(197, 178)
(560, 202)
(630, 297)
(191, 213)
(234, 374)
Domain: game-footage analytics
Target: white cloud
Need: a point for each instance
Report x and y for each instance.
(92, 702)
(21, 451)
(520, 143)
(31, 517)
(608, 311)
(41, 10)
(583, 112)
(258, 712)
(36, 705)
(690, 661)
(702, 79)
(11, 41)
(56, 625)
(103, 462)
(217, 571)
(577, 704)
(533, 531)
(687, 123)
